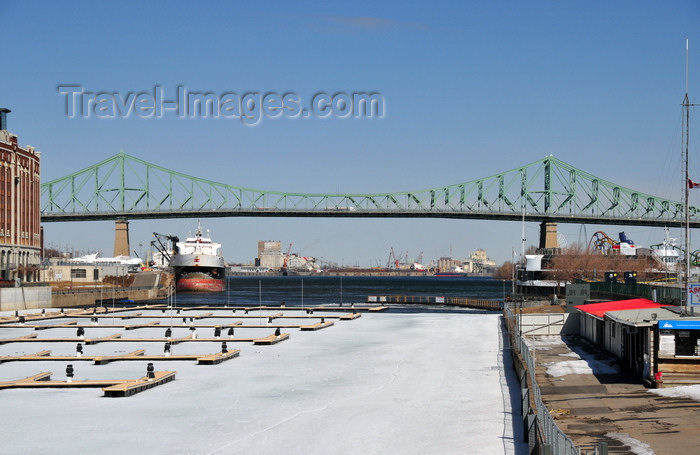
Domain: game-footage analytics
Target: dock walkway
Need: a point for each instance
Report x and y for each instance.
(595, 407)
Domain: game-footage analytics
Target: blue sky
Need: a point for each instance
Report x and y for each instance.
(471, 89)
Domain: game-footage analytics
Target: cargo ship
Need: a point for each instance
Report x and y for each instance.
(454, 272)
(198, 264)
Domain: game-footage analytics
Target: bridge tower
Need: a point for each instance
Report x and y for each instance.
(548, 235)
(121, 237)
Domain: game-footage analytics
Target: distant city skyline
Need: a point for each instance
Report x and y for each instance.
(468, 90)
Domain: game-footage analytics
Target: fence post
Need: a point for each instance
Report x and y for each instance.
(530, 430)
(602, 448)
(524, 401)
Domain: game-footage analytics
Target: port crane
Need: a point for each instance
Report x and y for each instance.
(286, 260)
(392, 264)
(160, 243)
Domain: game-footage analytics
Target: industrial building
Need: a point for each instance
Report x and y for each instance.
(20, 217)
(269, 254)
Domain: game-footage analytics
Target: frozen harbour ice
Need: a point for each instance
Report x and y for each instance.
(408, 383)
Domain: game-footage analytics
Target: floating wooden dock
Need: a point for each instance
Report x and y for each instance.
(128, 388)
(201, 359)
(117, 337)
(317, 326)
(110, 387)
(272, 339)
(116, 325)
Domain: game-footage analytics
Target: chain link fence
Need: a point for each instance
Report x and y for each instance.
(543, 434)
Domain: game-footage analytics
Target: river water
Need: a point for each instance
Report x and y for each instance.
(317, 290)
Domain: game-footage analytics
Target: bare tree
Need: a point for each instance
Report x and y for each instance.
(504, 272)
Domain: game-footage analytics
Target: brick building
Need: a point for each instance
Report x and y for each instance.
(20, 217)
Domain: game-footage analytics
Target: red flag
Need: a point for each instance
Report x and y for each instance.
(692, 184)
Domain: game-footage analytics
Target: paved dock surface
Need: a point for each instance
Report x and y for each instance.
(609, 406)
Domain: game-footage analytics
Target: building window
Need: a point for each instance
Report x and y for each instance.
(78, 273)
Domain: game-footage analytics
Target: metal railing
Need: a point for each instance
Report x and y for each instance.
(494, 305)
(659, 293)
(541, 428)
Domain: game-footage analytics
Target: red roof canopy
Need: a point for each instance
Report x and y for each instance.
(599, 309)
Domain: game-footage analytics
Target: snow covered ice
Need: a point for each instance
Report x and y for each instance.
(429, 383)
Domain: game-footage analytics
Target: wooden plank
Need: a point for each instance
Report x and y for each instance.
(139, 326)
(43, 353)
(111, 387)
(103, 360)
(317, 326)
(272, 339)
(30, 337)
(43, 376)
(129, 388)
(215, 359)
(89, 341)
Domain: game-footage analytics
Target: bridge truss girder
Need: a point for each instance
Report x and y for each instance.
(546, 190)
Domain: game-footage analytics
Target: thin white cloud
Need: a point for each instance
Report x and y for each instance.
(368, 23)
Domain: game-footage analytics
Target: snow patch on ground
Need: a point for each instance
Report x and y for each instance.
(635, 445)
(590, 366)
(686, 391)
(571, 354)
(542, 341)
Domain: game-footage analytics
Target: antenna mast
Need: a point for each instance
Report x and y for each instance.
(686, 186)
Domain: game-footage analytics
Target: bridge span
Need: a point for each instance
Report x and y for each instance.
(547, 191)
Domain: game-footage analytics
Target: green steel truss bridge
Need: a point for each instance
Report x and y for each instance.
(548, 190)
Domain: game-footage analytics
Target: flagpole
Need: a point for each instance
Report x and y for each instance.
(687, 186)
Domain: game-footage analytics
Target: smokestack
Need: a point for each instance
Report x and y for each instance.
(3, 118)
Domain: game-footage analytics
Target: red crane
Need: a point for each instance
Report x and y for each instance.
(286, 259)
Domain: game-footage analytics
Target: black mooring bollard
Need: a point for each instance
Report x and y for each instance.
(278, 332)
(217, 332)
(69, 373)
(150, 371)
(224, 348)
(81, 332)
(230, 332)
(168, 332)
(166, 348)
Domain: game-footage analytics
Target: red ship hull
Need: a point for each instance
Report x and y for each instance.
(200, 285)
